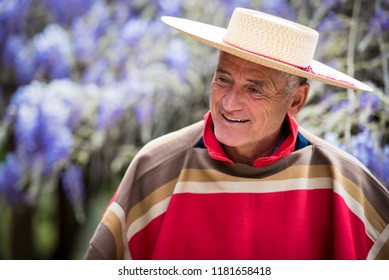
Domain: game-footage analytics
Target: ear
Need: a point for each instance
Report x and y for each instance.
(297, 99)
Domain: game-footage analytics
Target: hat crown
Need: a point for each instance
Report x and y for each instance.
(272, 37)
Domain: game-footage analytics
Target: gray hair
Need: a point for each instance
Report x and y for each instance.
(292, 82)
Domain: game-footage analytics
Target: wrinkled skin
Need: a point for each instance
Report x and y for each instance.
(248, 106)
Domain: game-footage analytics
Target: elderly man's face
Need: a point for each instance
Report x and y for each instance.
(248, 105)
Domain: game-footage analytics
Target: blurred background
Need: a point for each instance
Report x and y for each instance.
(84, 84)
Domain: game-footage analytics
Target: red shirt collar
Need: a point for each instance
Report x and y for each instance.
(216, 151)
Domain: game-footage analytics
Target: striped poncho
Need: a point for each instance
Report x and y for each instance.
(177, 202)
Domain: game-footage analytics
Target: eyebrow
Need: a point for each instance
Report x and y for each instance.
(223, 71)
(259, 83)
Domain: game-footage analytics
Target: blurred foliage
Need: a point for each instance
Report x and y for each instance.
(86, 83)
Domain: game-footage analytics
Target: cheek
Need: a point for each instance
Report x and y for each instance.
(268, 114)
(215, 96)
(262, 111)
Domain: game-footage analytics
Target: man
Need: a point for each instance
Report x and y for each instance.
(248, 182)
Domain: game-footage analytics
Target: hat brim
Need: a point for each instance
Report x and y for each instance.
(214, 35)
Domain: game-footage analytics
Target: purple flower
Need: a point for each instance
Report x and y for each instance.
(332, 137)
(18, 57)
(177, 57)
(2, 103)
(144, 110)
(326, 96)
(341, 105)
(362, 147)
(13, 45)
(73, 97)
(379, 22)
(87, 31)
(65, 12)
(96, 72)
(43, 122)
(13, 16)
(11, 173)
(159, 30)
(55, 137)
(169, 7)
(85, 43)
(370, 100)
(122, 10)
(48, 55)
(330, 23)
(73, 184)
(143, 101)
(134, 30)
(26, 101)
(279, 8)
(375, 159)
(44, 118)
(113, 103)
(230, 5)
(385, 164)
(26, 128)
(53, 53)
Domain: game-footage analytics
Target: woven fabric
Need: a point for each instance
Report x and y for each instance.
(176, 202)
(270, 41)
(280, 39)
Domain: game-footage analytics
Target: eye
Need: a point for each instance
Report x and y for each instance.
(255, 91)
(222, 80)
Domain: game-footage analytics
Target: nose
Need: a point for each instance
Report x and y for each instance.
(232, 100)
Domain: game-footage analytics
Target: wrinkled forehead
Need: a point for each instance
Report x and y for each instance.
(229, 62)
(235, 61)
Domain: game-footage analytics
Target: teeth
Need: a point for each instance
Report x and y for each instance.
(235, 120)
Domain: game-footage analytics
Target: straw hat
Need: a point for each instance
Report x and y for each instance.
(270, 41)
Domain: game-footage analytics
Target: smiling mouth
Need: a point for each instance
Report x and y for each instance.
(234, 120)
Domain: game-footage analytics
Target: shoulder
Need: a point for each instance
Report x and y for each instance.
(350, 176)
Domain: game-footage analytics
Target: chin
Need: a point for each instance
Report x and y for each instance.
(228, 139)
